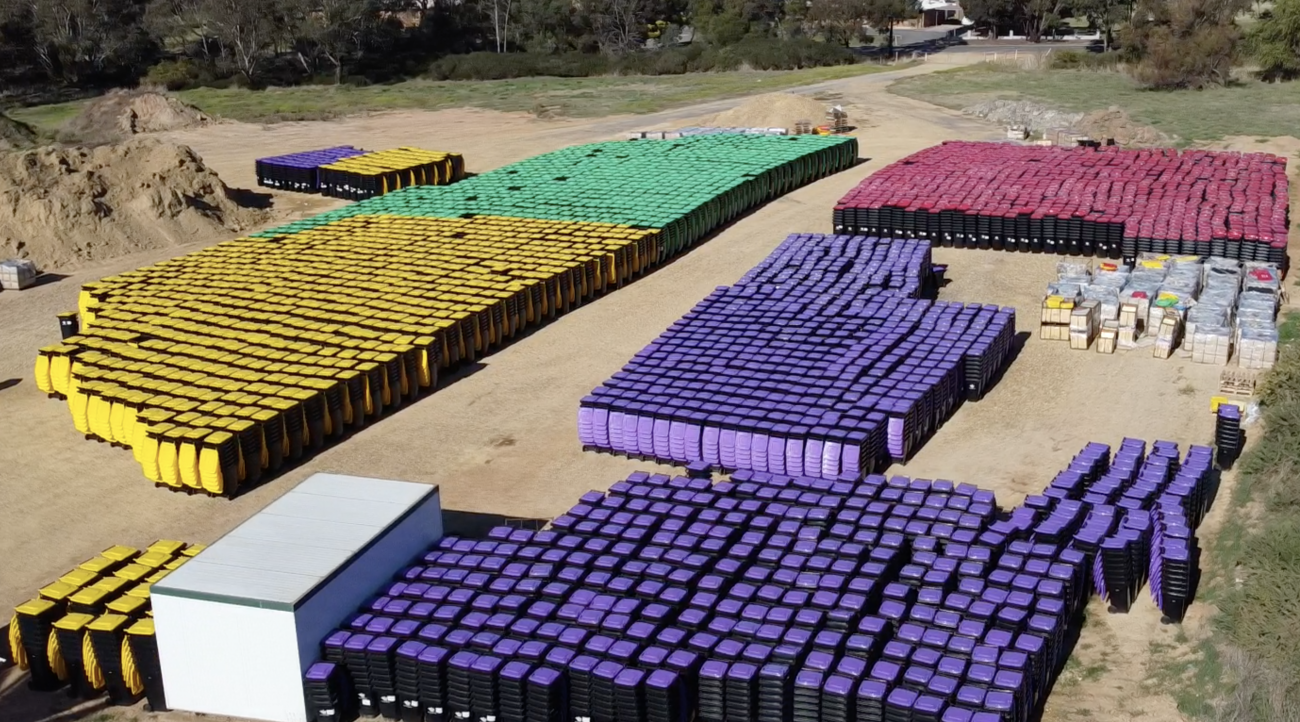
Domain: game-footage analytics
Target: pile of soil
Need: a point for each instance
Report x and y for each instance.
(1115, 123)
(1049, 122)
(121, 114)
(773, 110)
(63, 207)
(1037, 118)
(15, 134)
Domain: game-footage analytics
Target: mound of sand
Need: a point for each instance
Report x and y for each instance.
(1037, 118)
(773, 110)
(1115, 123)
(65, 207)
(122, 114)
(14, 134)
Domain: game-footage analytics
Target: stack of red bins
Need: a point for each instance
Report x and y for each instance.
(1106, 201)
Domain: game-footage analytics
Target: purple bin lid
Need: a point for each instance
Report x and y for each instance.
(434, 655)
(320, 671)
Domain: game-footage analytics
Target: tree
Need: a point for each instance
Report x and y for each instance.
(76, 40)
(618, 25)
(1102, 14)
(179, 23)
(500, 10)
(839, 21)
(885, 14)
(544, 25)
(726, 22)
(338, 30)
(1274, 42)
(1183, 43)
(247, 30)
(1032, 18)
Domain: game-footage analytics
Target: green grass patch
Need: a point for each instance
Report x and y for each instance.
(1255, 566)
(1195, 679)
(1289, 329)
(1093, 672)
(48, 119)
(1248, 108)
(574, 97)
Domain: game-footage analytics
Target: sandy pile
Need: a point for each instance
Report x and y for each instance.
(1115, 123)
(122, 114)
(14, 134)
(1098, 125)
(773, 110)
(1037, 118)
(64, 207)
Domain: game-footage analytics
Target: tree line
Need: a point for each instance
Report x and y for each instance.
(109, 42)
(91, 44)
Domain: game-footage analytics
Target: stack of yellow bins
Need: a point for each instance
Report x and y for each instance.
(219, 368)
(75, 631)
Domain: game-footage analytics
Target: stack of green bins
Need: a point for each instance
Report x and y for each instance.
(684, 188)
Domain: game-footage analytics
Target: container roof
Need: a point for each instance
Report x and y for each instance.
(276, 559)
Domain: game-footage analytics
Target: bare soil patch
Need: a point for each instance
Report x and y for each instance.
(502, 438)
(122, 114)
(65, 207)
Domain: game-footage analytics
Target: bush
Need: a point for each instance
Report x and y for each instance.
(1258, 553)
(178, 75)
(1275, 41)
(757, 53)
(767, 54)
(1183, 43)
(1081, 60)
(666, 61)
(503, 66)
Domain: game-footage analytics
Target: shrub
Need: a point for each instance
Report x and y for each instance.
(1081, 60)
(667, 61)
(757, 53)
(178, 74)
(503, 66)
(768, 54)
(1275, 41)
(1183, 43)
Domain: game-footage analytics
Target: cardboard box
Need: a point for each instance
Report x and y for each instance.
(1257, 354)
(1054, 332)
(17, 274)
(1108, 338)
(1168, 335)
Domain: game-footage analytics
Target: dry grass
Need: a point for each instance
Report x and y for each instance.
(1257, 572)
(549, 97)
(1246, 108)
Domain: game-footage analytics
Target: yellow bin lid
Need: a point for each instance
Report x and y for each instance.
(97, 565)
(74, 622)
(58, 591)
(34, 607)
(108, 623)
(79, 578)
(133, 572)
(166, 546)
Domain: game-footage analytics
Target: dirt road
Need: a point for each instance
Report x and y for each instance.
(502, 437)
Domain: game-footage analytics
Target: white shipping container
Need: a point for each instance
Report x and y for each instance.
(238, 625)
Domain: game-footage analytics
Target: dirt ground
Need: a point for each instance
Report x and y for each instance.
(502, 438)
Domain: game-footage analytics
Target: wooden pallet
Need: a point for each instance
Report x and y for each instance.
(1238, 382)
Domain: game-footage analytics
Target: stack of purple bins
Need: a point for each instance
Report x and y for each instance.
(300, 172)
(769, 598)
(762, 598)
(820, 362)
(1134, 516)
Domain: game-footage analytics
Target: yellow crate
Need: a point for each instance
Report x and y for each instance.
(322, 330)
